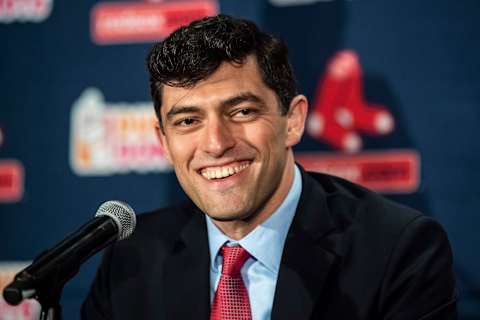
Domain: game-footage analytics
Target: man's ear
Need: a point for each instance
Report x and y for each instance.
(296, 120)
(163, 141)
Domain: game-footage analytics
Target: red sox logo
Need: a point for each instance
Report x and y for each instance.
(340, 112)
(339, 117)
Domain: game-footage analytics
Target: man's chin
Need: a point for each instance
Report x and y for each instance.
(231, 217)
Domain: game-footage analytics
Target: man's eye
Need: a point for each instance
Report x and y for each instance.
(185, 122)
(244, 113)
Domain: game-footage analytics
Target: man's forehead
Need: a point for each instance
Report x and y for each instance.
(227, 80)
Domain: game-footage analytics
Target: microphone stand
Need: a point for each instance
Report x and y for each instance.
(49, 298)
(46, 292)
(48, 295)
(52, 313)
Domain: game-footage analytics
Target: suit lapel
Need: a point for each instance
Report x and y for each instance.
(308, 257)
(186, 277)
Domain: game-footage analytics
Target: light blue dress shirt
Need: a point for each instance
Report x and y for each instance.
(265, 245)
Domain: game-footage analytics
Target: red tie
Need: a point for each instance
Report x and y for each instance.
(231, 299)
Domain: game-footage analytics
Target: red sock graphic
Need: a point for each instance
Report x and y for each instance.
(340, 111)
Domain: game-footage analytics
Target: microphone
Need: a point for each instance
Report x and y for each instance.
(114, 220)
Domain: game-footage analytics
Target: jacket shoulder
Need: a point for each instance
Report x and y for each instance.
(349, 202)
(384, 247)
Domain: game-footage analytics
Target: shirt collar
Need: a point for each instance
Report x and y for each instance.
(265, 242)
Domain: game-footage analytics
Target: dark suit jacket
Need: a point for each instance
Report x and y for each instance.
(349, 254)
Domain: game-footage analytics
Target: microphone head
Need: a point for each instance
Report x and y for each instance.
(122, 214)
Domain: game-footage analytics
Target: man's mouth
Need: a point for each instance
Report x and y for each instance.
(220, 172)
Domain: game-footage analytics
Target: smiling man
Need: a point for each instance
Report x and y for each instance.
(261, 238)
(231, 145)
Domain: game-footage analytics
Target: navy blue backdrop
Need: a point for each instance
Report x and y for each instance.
(72, 78)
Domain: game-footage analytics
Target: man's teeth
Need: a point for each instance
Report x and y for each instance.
(223, 172)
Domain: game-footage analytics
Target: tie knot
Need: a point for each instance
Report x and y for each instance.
(233, 259)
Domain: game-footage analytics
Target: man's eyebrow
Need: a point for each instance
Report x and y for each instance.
(181, 109)
(242, 97)
(230, 102)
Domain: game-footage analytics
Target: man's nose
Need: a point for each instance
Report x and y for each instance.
(218, 137)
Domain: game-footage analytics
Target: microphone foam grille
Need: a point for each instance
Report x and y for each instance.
(122, 214)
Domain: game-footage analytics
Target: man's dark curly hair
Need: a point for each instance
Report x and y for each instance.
(194, 52)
